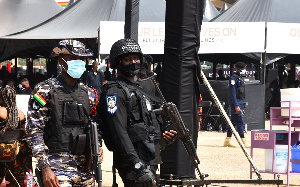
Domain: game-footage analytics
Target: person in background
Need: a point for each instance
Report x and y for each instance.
(14, 153)
(107, 74)
(221, 75)
(25, 87)
(236, 100)
(114, 74)
(146, 72)
(58, 111)
(5, 76)
(10, 84)
(159, 75)
(95, 77)
(130, 127)
(200, 113)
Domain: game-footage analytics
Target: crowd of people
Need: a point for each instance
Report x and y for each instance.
(61, 108)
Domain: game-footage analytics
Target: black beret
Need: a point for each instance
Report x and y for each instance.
(240, 65)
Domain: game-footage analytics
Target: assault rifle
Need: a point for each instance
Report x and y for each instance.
(96, 162)
(172, 112)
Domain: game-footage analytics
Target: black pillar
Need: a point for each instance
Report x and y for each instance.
(131, 19)
(180, 78)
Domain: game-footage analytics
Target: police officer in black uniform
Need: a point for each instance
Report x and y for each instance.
(145, 73)
(236, 100)
(130, 128)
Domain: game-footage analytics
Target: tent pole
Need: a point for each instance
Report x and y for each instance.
(16, 69)
(231, 69)
(131, 19)
(99, 43)
(214, 71)
(262, 68)
(267, 73)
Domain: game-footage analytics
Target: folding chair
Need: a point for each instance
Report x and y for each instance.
(206, 105)
(214, 114)
(8, 155)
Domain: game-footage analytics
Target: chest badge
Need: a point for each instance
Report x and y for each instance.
(112, 104)
(232, 82)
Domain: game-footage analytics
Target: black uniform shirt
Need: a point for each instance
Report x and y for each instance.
(124, 152)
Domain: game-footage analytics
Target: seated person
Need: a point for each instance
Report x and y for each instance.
(12, 118)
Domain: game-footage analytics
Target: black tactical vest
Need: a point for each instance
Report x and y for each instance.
(143, 127)
(67, 119)
(240, 87)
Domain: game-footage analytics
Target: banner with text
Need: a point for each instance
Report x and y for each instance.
(283, 38)
(215, 37)
(232, 37)
(151, 36)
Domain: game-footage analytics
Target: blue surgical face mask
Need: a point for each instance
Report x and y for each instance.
(75, 68)
(98, 68)
(243, 72)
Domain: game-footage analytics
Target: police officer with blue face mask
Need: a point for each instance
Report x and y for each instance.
(57, 114)
(236, 100)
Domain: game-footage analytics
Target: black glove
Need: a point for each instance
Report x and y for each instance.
(142, 175)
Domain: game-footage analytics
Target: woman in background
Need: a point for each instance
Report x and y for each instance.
(11, 119)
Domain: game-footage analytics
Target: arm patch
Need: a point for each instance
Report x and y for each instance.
(112, 103)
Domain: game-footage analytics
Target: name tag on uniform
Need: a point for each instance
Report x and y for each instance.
(112, 103)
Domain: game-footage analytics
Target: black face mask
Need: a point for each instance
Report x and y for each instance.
(130, 70)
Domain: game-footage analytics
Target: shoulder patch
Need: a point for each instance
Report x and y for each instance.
(112, 103)
(39, 99)
(232, 82)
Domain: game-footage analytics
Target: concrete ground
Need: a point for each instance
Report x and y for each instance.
(221, 163)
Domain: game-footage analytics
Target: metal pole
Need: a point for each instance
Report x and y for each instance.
(131, 19)
(99, 44)
(225, 116)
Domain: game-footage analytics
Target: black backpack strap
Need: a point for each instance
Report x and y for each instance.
(128, 99)
(152, 97)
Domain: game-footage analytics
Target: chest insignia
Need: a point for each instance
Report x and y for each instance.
(232, 82)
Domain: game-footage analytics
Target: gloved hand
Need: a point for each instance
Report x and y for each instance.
(142, 175)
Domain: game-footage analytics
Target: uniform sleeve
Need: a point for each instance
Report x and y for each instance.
(117, 124)
(232, 91)
(37, 116)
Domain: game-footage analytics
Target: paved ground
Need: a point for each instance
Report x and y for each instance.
(217, 161)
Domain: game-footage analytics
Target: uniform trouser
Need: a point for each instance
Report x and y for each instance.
(71, 169)
(237, 121)
(123, 172)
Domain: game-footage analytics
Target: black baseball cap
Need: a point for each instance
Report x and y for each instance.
(240, 65)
